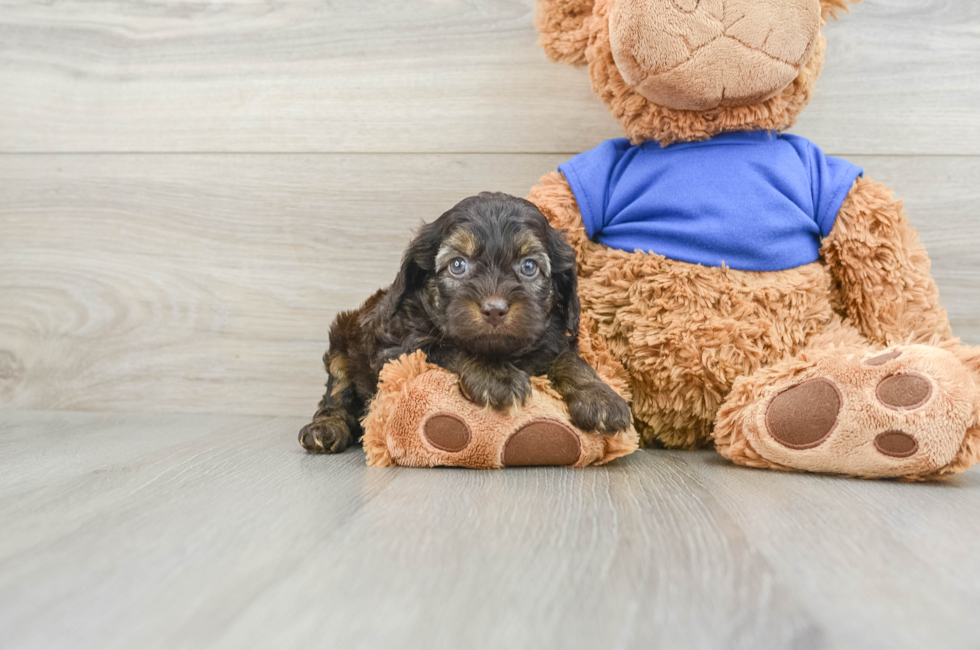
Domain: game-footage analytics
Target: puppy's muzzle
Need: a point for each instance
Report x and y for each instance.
(495, 311)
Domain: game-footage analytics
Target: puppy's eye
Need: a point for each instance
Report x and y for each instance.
(529, 268)
(458, 266)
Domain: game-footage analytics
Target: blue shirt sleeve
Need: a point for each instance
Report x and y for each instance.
(831, 180)
(589, 175)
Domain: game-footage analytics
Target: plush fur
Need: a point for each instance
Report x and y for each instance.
(881, 270)
(709, 350)
(564, 29)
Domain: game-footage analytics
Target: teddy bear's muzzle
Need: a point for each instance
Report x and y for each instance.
(701, 54)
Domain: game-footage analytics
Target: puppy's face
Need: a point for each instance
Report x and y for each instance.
(492, 283)
(499, 276)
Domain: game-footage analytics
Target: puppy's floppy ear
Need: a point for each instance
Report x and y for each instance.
(564, 282)
(417, 262)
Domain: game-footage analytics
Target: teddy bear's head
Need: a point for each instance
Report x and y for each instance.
(679, 70)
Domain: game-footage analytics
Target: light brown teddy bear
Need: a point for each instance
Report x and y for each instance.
(747, 290)
(761, 296)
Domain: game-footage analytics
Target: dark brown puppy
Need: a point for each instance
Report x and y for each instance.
(487, 291)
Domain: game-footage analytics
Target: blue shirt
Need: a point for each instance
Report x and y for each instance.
(754, 201)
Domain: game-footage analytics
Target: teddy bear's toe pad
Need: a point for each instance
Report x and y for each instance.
(803, 416)
(904, 392)
(896, 444)
(447, 432)
(542, 442)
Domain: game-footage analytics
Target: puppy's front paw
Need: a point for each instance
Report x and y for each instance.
(599, 408)
(329, 435)
(499, 388)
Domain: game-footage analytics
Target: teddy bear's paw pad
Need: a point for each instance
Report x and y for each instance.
(803, 416)
(447, 432)
(904, 391)
(542, 442)
(896, 444)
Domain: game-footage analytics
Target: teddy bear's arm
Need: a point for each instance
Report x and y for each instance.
(881, 270)
(564, 29)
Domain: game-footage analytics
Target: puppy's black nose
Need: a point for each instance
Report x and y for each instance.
(494, 310)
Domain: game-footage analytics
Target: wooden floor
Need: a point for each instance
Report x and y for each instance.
(191, 191)
(179, 531)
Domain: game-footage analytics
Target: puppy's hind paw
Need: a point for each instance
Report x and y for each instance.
(599, 408)
(328, 435)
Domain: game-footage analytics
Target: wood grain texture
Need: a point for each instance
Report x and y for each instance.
(446, 76)
(206, 283)
(125, 531)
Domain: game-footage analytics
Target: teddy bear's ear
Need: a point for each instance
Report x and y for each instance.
(564, 29)
(831, 7)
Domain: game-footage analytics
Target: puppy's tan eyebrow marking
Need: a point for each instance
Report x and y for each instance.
(464, 241)
(461, 242)
(528, 244)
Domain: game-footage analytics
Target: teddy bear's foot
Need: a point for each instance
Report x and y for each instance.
(541, 441)
(902, 412)
(420, 418)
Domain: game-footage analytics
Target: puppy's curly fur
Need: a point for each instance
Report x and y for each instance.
(488, 291)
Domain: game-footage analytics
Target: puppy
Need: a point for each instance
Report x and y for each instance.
(487, 291)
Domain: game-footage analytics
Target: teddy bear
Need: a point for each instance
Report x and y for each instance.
(741, 288)
(763, 298)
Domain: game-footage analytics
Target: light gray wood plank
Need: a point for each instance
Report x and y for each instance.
(450, 76)
(899, 78)
(206, 283)
(164, 531)
(789, 523)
